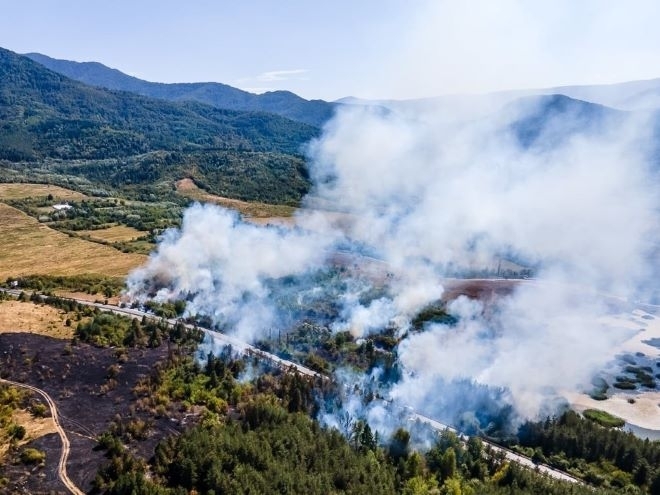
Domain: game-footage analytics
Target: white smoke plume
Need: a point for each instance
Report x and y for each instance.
(219, 264)
(569, 193)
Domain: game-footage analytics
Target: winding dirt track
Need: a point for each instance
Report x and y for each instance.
(61, 467)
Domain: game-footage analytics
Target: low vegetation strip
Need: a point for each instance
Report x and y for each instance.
(19, 191)
(603, 418)
(32, 248)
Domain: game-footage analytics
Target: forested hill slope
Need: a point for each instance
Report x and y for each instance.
(283, 103)
(53, 128)
(45, 114)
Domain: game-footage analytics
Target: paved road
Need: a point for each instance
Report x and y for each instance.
(508, 454)
(285, 364)
(61, 467)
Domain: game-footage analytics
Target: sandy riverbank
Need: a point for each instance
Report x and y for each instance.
(637, 407)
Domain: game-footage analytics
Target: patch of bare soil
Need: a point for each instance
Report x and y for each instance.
(75, 377)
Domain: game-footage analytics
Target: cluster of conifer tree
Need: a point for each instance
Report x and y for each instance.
(265, 440)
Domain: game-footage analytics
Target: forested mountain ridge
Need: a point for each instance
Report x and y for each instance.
(284, 103)
(45, 114)
(108, 137)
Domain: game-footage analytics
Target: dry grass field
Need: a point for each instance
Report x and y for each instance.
(18, 191)
(187, 188)
(17, 317)
(117, 233)
(31, 248)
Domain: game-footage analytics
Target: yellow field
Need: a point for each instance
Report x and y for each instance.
(28, 317)
(187, 188)
(116, 233)
(18, 191)
(31, 248)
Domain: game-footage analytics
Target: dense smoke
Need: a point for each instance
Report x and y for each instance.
(417, 198)
(219, 264)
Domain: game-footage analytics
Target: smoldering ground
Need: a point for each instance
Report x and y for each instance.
(553, 183)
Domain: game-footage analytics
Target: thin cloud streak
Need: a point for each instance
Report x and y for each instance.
(282, 75)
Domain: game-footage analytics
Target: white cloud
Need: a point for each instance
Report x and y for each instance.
(282, 75)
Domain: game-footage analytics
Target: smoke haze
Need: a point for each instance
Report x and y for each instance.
(545, 183)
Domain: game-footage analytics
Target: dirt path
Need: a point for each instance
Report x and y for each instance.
(61, 468)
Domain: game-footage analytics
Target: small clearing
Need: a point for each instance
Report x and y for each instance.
(116, 233)
(31, 248)
(19, 191)
(251, 210)
(19, 317)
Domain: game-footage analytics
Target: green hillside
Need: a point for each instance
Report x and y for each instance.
(111, 137)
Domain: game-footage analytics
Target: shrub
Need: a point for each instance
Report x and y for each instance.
(17, 432)
(39, 410)
(32, 456)
(603, 418)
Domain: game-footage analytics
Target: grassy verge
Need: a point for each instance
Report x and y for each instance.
(603, 418)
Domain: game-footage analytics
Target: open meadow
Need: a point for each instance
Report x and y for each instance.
(116, 233)
(33, 248)
(16, 317)
(20, 191)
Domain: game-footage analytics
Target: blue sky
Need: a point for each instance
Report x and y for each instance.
(366, 48)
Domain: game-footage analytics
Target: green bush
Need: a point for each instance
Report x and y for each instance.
(32, 456)
(603, 418)
(39, 410)
(17, 432)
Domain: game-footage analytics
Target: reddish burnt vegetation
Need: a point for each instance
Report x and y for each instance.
(485, 290)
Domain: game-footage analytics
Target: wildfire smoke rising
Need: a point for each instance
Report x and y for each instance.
(428, 196)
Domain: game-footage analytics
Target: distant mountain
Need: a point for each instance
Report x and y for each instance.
(284, 103)
(45, 115)
(628, 96)
(555, 118)
(631, 95)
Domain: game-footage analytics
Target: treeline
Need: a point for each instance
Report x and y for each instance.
(600, 455)
(109, 329)
(270, 451)
(230, 173)
(89, 284)
(94, 214)
(150, 178)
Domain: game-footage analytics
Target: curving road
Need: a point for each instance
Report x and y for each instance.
(61, 467)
